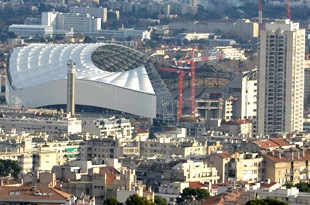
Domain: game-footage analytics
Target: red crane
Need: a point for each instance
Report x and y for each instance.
(180, 88)
(191, 64)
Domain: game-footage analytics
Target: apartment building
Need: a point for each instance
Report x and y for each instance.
(26, 31)
(287, 165)
(281, 78)
(52, 126)
(78, 22)
(249, 94)
(98, 149)
(291, 196)
(236, 127)
(97, 12)
(191, 171)
(238, 166)
(120, 128)
(126, 34)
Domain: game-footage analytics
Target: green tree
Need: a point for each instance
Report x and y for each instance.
(9, 167)
(137, 200)
(111, 201)
(303, 187)
(88, 39)
(268, 201)
(160, 200)
(190, 194)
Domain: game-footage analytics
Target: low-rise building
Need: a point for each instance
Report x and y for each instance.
(26, 31)
(287, 165)
(191, 171)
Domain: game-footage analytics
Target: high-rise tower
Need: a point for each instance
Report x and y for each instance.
(280, 78)
(71, 88)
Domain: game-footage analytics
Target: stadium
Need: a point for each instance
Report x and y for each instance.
(108, 76)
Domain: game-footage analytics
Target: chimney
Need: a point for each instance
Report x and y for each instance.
(33, 188)
(1, 181)
(302, 153)
(279, 155)
(71, 88)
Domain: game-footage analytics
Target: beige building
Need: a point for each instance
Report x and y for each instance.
(236, 127)
(109, 127)
(290, 165)
(246, 166)
(246, 29)
(281, 78)
(191, 171)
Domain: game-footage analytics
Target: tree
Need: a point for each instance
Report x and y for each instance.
(190, 194)
(9, 167)
(268, 201)
(160, 200)
(88, 39)
(111, 201)
(137, 200)
(303, 187)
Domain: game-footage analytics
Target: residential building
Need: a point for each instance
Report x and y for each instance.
(246, 29)
(126, 34)
(97, 12)
(291, 196)
(51, 126)
(249, 94)
(26, 31)
(120, 128)
(236, 127)
(287, 165)
(83, 23)
(239, 166)
(191, 171)
(34, 195)
(281, 78)
(194, 36)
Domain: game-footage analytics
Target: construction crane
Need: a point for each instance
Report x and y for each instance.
(180, 88)
(190, 63)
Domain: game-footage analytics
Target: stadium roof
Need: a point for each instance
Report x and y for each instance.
(115, 65)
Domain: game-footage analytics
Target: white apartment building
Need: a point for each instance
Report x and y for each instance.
(126, 34)
(52, 127)
(94, 11)
(249, 94)
(191, 171)
(291, 196)
(26, 31)
(120, 128)
(281, 78)
(84, 23)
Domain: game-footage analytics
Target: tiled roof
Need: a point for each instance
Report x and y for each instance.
(25, 194)
(196, 185)
(224, 155)
(285, 159)
(263, 185)
(266, 144)
(280, 141)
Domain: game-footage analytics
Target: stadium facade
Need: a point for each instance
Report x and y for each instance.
(108, 76)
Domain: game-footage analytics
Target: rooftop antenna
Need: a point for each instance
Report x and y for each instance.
(71, 88)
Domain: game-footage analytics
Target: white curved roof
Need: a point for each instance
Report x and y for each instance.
(41, 63)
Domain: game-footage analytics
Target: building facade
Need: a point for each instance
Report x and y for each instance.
(281, 78)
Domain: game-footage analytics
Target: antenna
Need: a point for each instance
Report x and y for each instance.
(260, 14)
(288, 9)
